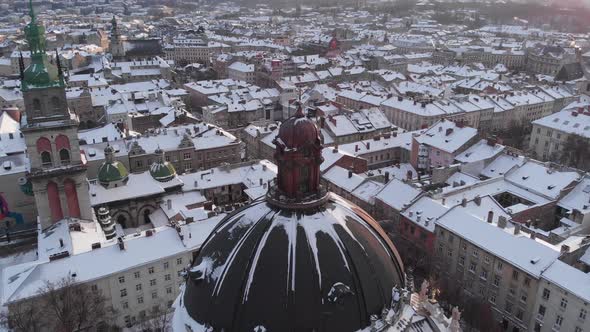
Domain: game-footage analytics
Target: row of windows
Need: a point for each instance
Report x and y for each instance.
(154, 295)
(151, 270)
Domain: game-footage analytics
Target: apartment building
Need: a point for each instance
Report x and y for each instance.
(550, 133)
(135, 273)
(187, 147)
(494, 262)
(440, 144)
(563, 299)
(193, 50)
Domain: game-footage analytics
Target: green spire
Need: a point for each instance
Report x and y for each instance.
(40, 73)
(31, 11)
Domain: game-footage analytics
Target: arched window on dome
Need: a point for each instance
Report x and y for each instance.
(64, 156)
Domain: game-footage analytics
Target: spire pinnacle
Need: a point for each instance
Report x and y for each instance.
(299, 113)
(21, 65)
(31, 11)
(60, 73)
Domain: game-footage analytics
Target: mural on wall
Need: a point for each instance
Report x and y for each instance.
(5, 213)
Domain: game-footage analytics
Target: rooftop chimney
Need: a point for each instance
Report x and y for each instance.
(490, 216)
(449, 131)
(121, 243)
(565, 249)
(502, 222)
(516, 229)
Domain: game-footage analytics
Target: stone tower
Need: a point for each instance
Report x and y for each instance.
(57, 172)
(116, 44)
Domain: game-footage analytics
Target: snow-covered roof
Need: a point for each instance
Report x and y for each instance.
(501, 165)
(479, 151)
(340, 177)
(252, 174)
(578, 198)
(24, 280)
(397, 194)
(109, 133)
(11, 138)
(137, 185)
(570, 122)
(424, 212)
(521, 251)
(540, 179)
(447, 136)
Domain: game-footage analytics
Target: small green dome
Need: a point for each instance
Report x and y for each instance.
(26, 186)
(162, 170)
(112, 172)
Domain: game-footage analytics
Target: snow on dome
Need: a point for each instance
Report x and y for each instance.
(162, 170)
(286, 269)
(111, 171)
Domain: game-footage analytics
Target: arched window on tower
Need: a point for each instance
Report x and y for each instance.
(64, 156)
(44, 151)
(55, 104)
(46, 158)
(62, 144)
(36, 106)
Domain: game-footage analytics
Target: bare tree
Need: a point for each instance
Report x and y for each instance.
(69, 306)
(64, 306)
(22, 316)
(159, 319)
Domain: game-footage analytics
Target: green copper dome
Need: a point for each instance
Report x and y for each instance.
(162, 170)
(111, 170)
(40, 73)
(26, 186)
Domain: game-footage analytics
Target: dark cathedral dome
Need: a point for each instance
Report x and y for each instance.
(299, 259)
